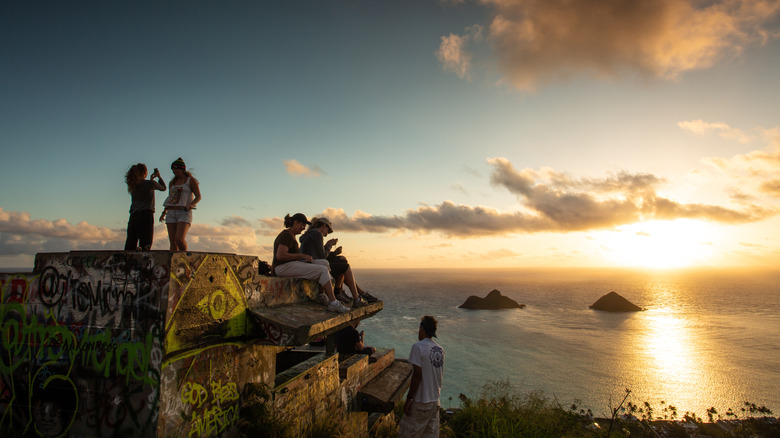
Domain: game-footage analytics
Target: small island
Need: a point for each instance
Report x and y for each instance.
(493, 301)
(613, 302)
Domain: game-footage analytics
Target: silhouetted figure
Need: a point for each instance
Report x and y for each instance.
(140, 226)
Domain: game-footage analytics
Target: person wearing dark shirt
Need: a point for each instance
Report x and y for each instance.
(350, 341)
(313, 243)
(288, 261)
(140, 226)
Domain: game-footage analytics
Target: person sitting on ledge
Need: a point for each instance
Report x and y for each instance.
(288, 261)
(350, 341)
(312, 244)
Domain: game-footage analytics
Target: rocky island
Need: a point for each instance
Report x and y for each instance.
(493, 301)
(613, 302)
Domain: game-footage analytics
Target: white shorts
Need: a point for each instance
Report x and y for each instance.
(423, 421)
(316, 270)
(176, 216)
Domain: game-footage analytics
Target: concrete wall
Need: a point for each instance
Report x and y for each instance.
(99, 344)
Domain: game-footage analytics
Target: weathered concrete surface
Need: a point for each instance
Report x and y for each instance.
(82, 344)
(303, 322)
(379, 361)
(382, 393)
(114, 343)
(309, 391)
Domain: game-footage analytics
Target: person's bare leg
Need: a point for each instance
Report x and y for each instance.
(172, 236)
(181, 235)
(339, 282)
(349, 279)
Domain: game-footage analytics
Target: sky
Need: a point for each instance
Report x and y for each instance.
(433, 134)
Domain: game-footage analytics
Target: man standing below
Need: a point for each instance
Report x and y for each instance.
(421, 410)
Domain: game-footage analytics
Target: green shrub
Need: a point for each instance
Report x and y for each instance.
(502, 411)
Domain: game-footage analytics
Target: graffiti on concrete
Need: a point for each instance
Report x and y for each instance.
(96, 344)
(81, 345)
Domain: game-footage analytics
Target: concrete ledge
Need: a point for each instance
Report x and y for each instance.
(380, 361)
(352, 365)
(383, 392)
(301, 323)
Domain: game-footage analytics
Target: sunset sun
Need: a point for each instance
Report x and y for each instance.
(660, 244)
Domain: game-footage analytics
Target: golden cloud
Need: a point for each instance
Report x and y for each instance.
(538, 42)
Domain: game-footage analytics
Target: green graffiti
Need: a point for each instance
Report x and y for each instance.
(26, 339)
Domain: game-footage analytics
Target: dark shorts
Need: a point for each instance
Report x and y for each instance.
(140, 230)
(338, 265)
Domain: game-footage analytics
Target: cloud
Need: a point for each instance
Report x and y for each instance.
(772, 187)
(551, 202)
(22, 235)
(21, 223)
(452, 53)
(235, 221)
(700, 127)
(574, 205)
(460, 188)
(757, 169)
(295, 168)
(471, 171)
(239, 238)
(500, 254)
(538, 42)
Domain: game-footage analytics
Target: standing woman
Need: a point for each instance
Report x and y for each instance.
(183, 196)
(140, 226)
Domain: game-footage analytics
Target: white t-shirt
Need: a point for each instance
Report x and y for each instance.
(429, 356)
(179, 195)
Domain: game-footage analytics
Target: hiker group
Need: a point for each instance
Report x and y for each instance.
(183, 197)
(314, 259)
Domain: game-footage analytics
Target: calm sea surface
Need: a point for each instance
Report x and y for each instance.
(707, 338)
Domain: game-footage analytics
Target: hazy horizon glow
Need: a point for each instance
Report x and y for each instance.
(486, 133)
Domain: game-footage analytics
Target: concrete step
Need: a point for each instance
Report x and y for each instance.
(301, 323)
(382, 392)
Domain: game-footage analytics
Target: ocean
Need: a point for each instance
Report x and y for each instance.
(708, 338)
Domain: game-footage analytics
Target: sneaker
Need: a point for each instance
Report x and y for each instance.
(359, 303)
(368, 297)
(337, 307)
(344, 298)
(322, 299)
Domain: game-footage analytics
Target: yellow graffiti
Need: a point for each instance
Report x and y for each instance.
(222, 393)
(214, 304)
(213, 421)
(212, 290)
(194, 394)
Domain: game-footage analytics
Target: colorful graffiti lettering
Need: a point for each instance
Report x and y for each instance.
(194, 394)
(81, 346)
(121, 343)
(214, 421)
(224, 393)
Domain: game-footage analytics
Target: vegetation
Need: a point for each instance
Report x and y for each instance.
(503, 411)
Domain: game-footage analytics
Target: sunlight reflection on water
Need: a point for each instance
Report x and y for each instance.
(696, 345)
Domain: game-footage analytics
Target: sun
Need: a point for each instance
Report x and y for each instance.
(660, 244)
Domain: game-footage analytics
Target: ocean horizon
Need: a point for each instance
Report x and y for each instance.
(707, 337)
